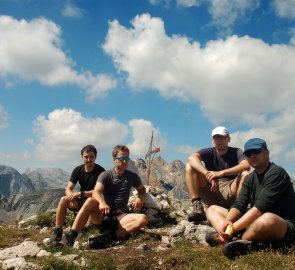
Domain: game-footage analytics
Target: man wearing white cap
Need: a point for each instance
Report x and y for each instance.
(215, 175)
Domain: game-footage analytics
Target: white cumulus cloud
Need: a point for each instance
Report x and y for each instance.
(238, 80)
(285, 8)
(225, 13)
(189, 3)
(64, 132)
(224, 76)
(70, 10)
(32, 50)
(142, 131)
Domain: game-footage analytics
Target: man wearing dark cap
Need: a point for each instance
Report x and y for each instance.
(215, 175)
(271, 217)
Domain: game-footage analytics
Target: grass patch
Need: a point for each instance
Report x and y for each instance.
(15, 236)
(53, 263)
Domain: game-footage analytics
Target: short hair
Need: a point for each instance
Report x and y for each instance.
(89, 148)
(119, 148)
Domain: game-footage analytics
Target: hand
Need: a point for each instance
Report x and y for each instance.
(104, 209)
(222, 230)
(74, 204)
(210, 175)
(73, 196)
(137, 204)
(214, 185)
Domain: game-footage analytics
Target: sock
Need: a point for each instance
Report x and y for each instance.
(196, 199)
(73, 233)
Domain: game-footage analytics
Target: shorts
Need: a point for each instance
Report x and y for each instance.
(80, 202)
(289, 237)
(117, 215)
(223, 197)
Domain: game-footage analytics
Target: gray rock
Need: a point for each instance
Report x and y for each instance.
(27, 248)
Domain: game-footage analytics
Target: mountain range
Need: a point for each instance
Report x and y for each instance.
(36, 191)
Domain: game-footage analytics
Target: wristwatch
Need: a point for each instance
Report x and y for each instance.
(82, 194)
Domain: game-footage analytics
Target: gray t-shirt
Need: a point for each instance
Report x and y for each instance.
(117, 188)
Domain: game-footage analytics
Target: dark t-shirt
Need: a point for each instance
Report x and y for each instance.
(117, 188)
(214, 162)
(87, 180)
(272, 191)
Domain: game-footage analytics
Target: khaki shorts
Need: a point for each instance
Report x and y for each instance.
(223, 197)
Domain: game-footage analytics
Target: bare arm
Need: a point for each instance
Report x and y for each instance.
(242, 166)
(97, 194)
(138, 203)
(247, 219)
(196, 163)
(88, 193)
(69, 191)
(238, 221)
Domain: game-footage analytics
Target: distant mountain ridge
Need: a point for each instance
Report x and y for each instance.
(36, 191)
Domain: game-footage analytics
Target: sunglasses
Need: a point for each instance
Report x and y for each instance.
(123, 158)
(253, 152)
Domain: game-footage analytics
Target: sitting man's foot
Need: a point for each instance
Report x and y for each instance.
(238, 248)
(57, 235)
(89, 227)
(103, 240)
(198, 213)
(214, 239)
(69, 239)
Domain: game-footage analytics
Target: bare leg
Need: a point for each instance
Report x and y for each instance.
(267, 227)
(90, 209)
(216, 216)
(131, 223)
(194, 180)
(61, 211)
(237, 184)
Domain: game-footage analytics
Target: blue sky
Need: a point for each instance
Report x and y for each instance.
(110, 71)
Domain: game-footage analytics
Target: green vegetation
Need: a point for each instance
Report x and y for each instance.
(183, 256)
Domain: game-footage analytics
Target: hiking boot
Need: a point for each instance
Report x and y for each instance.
(198, 213)
(214, 239)
(88, 228)
(103, 240)
(238, 248)
(57, 235)
(68, 240)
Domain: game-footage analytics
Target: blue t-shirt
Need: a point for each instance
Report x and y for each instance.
(215, 162)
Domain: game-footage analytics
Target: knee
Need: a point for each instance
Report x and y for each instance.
(244, 174)
(64, 202)
(142, 220)
(211, 211)
(188, 168)
(265, 221)
(90, 204)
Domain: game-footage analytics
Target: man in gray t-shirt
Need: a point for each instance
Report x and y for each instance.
(109, 198)
(215, 175)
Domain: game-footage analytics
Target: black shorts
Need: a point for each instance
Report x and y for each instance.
(289, 237)
(80, 202)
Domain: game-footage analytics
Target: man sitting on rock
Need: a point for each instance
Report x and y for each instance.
(110, 198)
(219, 180)
(271, 217)
(86, 175)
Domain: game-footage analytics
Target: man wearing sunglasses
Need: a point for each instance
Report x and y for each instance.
(110, 198)
(271, 217)
(215, 175)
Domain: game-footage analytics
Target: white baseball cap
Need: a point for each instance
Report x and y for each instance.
(220, 131)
